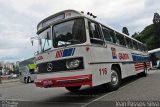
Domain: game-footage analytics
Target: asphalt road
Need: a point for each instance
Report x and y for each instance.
(132, 89)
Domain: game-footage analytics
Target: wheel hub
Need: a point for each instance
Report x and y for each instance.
(114, 78)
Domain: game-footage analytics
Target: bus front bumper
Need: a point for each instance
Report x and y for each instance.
(65, 81)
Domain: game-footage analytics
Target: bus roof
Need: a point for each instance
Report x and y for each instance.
(58, 16)
(72, 13)
(154, 50)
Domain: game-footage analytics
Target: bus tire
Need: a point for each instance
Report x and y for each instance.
(115, 79)
(144, 73)
(73, 88)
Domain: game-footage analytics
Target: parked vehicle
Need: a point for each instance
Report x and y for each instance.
(27, 71)
(155, 58)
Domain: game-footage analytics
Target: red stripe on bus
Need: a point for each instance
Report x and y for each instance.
(138, 65)
(59, 54)
(65, 81)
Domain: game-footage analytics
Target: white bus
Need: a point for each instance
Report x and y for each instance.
(155, 57)
(76, 50)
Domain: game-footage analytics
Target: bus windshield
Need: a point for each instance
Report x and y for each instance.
(69, 33)
(45, 40)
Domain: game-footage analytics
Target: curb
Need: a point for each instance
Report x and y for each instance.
(9, 81)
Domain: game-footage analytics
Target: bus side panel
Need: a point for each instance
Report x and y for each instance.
(104, 57)
(140, 61)
(101, 74)
(127, 69)
(100, 69)
(122, 57)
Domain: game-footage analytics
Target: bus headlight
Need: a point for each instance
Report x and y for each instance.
(71, 64)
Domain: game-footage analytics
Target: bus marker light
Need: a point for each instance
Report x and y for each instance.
(87, 49)
(39, 58)
(82, 12)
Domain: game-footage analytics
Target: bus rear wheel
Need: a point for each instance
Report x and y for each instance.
(144, 73)
(73, 89)
(115, 79)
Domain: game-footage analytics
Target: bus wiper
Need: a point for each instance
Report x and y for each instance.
(63, 44)
(74, 41)
(46, 40)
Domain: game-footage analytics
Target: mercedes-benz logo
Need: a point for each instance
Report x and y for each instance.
(49, 67)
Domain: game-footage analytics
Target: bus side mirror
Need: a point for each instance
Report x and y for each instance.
(32, 40)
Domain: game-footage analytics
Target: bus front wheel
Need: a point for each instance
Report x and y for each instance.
(73, 89)
(115, 82)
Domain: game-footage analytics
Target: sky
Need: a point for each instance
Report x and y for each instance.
(19, 19)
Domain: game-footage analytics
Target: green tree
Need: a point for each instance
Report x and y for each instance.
(150, 36)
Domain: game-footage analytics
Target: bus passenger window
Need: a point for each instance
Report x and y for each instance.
(139, 47)
(142, 47)
(112, 34)
(94, 30)
(120, 39)
(106, 34)
(129, 43)
(95, 35)
(135, 45)
(145, 49)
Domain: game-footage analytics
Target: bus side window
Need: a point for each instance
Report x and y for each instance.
(112, 34)
(106, 34)
(117, 40)
(94, 32)
(141, 47)
(129, 42)
(144, 48)
(120, 39)
(135, 45)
